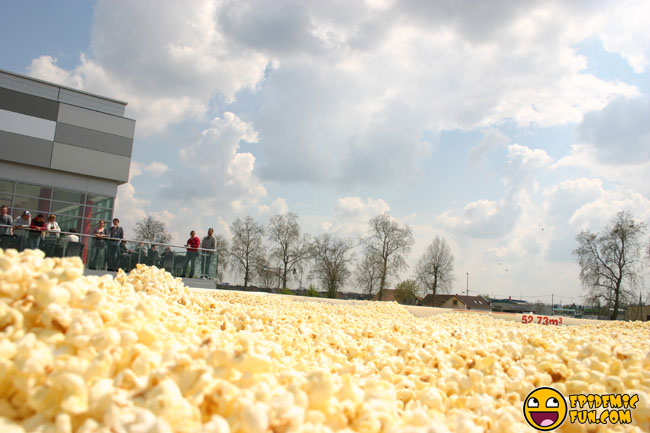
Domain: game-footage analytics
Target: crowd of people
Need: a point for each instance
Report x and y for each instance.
(34, 233)
(109, 250)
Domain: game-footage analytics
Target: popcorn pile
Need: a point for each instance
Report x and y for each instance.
(141, 353)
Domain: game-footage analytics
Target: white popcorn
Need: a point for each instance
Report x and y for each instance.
(141, 353)
(254, 418)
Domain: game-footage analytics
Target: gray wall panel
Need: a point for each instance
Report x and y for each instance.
(91, 102)
(26, 85)
(90, 162)
(30, 105)
(90, 139)
(25, 150)
(90, 119)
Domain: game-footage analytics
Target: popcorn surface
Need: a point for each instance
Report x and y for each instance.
(142, 353)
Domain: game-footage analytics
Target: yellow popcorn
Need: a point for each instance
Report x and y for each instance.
(141, 353)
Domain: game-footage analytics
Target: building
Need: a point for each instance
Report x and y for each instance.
(62, 151)
(388, 295)
(636, 312)
(458, 302)
(516, 306)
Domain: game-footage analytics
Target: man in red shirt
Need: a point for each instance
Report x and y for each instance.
(192, 253)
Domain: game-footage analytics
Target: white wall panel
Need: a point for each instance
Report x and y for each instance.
(27, 125)
(90, 162)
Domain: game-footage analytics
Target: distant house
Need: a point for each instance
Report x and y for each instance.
(459, 302)
(388, 295)
(475, 302)
(634, 312)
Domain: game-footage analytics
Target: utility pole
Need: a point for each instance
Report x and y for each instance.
(552, 306)
(467, 285)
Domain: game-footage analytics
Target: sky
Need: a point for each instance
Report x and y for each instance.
(505, 127)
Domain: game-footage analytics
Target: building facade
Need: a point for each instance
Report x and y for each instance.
(62, 151)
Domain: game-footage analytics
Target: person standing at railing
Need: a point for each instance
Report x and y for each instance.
(100, 234)
(115, 234)
(53, 229)
(6, 221)
(36, 228)
(51, 236)
(209, 242)
(71, 237)
(21, 225)
(192, 253)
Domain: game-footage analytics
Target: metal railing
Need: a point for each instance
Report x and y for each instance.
(111, 253)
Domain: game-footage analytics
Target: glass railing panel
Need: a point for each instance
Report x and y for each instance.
(110, 255)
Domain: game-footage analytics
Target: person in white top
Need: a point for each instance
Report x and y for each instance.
(72, 237)
(53, 228)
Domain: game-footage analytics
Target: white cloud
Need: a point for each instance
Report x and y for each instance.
(129, 208)
(155, 168)
(614, 144)
(277, 207)
(624, 29)
(351, 206)
(597, 214)
(216, 175)
(351, 215)
(492, 138)
(620, 132)
(346, 92)
(493, 219)
(166, 59)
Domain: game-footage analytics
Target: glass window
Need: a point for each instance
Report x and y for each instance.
(5, 199)
(33, 190)
(99, 200)
(7, 186)
(66, 222)
(36, 204)
(15, 213)
(98, 213)
(70, 209)
(69, 196)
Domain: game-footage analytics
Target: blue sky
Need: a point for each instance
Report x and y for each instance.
(506, 129)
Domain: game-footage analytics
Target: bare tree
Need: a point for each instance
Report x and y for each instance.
(609, 261)
(289, 249)
(331, 258)
(265, 275)
(435, 269)
(222, 256)
(390, 242)
(246, 246)
(368, 274)
(151, 230)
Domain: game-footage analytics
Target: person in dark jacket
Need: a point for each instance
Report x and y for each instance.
(115, 235)
(36, 230)
(208, 245)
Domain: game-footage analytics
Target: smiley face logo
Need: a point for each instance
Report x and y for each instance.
(545, 409)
